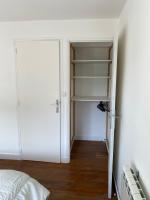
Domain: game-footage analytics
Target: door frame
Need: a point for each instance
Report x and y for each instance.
(60, 89)
(114, 65)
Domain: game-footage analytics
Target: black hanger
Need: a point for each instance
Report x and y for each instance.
(103, 106)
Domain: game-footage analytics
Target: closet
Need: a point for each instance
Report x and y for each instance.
(92, 94)
(91, 72)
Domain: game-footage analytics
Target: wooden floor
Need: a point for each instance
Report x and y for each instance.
(85, 178)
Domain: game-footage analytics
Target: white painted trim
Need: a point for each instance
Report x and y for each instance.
(10, 156)
(95, 39)
(117, 191)
(65, 93)
(90, 138)
(60, 96)
(36, 38)
(17, 98)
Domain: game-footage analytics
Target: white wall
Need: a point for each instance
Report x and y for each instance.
(64, 30)
(133, 91)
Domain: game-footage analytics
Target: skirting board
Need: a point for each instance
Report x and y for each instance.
(91, 138)
(9, 156)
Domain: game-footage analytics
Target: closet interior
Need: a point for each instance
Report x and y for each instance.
(90, 90)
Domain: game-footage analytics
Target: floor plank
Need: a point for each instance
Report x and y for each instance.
(85, 178)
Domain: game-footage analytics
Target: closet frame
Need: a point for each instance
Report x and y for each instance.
(73, 77)
(111, 91)
(110, 49)
(72, 91)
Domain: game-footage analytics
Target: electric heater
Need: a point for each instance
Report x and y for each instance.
(131, 187)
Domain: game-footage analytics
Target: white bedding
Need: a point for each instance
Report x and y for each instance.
(15, 185)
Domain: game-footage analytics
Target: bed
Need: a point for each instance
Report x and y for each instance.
(15, 185)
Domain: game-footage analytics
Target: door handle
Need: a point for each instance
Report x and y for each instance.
(57, 104)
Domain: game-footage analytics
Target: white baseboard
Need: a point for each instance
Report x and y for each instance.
(117, 191)
(10, 156)
(86, 137)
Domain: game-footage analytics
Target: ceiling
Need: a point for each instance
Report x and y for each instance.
(16, 10)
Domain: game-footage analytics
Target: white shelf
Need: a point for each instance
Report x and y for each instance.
(90, 98)
(90, 61)
(104, 44)
(91, 77)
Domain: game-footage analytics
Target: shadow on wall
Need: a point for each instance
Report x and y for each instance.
(119, 152)
(119, 97)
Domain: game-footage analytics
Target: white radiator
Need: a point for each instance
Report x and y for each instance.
(131, 188)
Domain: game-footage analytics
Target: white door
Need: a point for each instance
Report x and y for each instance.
(38, 88)
(112, 117)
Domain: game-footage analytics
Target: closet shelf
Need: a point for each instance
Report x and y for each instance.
(90, 98)
(91, 77)
(90, 61)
